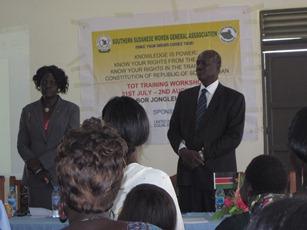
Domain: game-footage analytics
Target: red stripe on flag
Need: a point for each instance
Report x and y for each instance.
(224, 180)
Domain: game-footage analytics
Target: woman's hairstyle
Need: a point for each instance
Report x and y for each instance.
(297, 136)
(130, 120)
(149, 203)
(266, 174)
(284, 214)
(90, 165)
(58, 74)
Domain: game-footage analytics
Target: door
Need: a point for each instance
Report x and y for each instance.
(285, 87)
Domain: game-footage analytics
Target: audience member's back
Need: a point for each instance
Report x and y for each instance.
(285, 214)
(297, 136)
(297, 143)
(265, 181)
(130, 120)
(90, 164)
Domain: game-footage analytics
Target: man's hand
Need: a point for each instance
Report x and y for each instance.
(33, 164)
(191, 158)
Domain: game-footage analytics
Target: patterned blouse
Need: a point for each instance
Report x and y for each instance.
(141, 226)
(262, 200)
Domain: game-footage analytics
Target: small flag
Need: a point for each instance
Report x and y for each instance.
(225, 180)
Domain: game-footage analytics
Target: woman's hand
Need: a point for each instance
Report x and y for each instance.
(45, 176)
(33, 164)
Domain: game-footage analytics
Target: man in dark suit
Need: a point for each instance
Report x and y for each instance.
(209, 147)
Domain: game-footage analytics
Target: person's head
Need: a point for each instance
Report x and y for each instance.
(90, 165)
(51, 79)
(264, 174)
(284, 214)
(297, 136)
(149, 203)
(129, 118)
(208, 66)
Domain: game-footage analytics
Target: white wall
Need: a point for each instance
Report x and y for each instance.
(52, 31)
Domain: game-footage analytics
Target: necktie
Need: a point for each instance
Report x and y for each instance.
(201, 107)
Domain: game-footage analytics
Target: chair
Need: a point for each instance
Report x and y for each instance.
(174, 182)
(2, 190)
(17, 184)
(292, 182)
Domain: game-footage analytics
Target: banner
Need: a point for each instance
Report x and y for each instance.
(153, 63)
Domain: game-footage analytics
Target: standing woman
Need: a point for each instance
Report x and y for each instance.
(42, 125)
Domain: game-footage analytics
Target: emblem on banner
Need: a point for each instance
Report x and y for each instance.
(104, 43)
(228, 34)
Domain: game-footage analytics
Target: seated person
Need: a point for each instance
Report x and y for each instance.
(90, 165)
(130, 120)
(151, 204)
(265, 180)
(297, 136)
(285, 214)
(300, 168)
(4, 220)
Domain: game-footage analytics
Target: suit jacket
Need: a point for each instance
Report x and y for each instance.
(34, 142)
(220, 133)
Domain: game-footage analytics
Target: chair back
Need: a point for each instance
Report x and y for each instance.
(292, 181)
(2, 188)
(17, 185)
(174, 183)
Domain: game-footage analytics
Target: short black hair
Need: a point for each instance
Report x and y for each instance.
(59, 75)
(151, 204)
(284, 214)
(297, 135)
(130, 120)
(215, 55)
(266, 174)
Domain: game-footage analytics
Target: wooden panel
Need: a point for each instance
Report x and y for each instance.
(2, 188)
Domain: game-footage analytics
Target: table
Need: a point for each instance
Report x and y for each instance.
(192, 221)
(36, 223)
(200, 221)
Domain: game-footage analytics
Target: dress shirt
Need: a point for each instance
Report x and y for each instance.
(209, 94)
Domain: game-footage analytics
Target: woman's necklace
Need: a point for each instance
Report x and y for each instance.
(87, 219)
(48, 108)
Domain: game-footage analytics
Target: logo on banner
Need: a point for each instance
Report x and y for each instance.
(104, 43)
(228, 34)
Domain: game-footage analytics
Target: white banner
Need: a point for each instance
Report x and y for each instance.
(152, 57)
